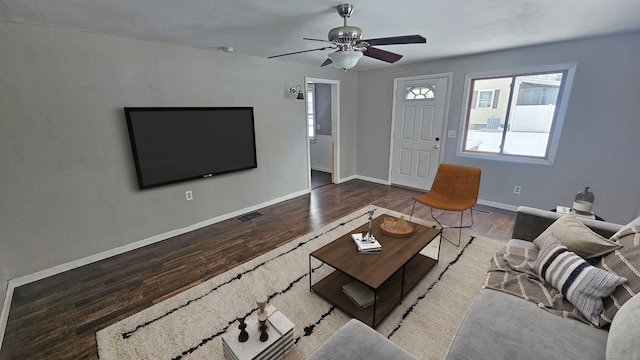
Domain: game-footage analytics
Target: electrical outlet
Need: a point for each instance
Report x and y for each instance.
(517, 189)
(189, 195)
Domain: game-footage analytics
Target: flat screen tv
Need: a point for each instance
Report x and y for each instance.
(173, 144)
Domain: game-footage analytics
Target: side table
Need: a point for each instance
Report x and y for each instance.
(279, 343)
(565, 210)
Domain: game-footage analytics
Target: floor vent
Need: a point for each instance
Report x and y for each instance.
(249, 216)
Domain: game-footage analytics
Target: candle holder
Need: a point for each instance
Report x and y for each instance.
(262, 304)
(262, 319)
(244, 335)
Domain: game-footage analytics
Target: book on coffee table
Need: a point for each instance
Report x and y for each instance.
(366, 245)
(359, 293)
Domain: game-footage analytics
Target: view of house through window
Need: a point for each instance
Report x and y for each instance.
(513, 115)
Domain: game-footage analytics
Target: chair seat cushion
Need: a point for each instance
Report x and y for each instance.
(440, 202)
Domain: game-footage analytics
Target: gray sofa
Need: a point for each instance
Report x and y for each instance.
(502, 326)
(357, 341)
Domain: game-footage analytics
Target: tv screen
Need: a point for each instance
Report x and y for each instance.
(179, 144)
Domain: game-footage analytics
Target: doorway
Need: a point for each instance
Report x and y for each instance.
(322, 104)
(420, 106)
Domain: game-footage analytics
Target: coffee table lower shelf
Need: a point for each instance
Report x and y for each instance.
(389, 294)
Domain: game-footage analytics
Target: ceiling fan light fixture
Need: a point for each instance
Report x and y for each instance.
(345, 59)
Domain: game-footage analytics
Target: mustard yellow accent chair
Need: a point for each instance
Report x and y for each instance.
(455, 188)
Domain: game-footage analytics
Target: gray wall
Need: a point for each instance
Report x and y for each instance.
(599, 145)
(67, 175)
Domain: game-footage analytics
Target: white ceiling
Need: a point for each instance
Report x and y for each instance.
(271, 27)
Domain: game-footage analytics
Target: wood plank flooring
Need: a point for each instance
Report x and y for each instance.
(57, 317)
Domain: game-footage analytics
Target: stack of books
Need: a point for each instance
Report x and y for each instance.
(366, 244)
(359, 293)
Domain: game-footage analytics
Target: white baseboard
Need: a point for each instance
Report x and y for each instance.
(39, 275)
(480, 201)
(497, 205)
(4, 315)
(345, 179)
(14, 283)
(318, 168)
(373, 180)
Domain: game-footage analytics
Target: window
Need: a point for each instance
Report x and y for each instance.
(311, 117)
(515, 115)
(420, 92)
(485, 99)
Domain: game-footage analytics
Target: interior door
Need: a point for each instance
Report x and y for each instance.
(420, 107)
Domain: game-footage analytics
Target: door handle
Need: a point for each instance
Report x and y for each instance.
(436, 146)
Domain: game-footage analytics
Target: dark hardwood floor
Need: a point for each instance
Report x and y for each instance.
(57, 317)
(320, 178)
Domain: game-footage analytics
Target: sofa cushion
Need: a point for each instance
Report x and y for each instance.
(580, 283)
(577, 238)
(623, 334)
(500, 326)
(622, 262)
(357, 341)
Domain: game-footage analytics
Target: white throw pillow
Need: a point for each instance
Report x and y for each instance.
(577, 237)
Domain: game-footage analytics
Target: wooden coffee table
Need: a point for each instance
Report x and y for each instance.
(390, 274)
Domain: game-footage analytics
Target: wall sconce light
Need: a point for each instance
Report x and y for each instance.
(297, 92)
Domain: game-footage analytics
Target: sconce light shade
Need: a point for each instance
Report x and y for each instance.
(345, 59)
(297, 92)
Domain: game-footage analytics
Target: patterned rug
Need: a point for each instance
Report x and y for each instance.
(190, 325)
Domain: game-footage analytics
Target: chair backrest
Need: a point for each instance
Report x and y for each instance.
(457, 182)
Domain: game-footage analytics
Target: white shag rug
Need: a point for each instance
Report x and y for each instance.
(190, 325)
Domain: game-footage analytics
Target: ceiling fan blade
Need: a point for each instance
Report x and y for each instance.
(303, 51)
(382, 55)
(304, 38)
(327, 62)
(396, 40)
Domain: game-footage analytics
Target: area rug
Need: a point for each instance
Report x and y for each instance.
(190, 325)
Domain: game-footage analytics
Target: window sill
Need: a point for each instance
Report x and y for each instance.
(506, 158)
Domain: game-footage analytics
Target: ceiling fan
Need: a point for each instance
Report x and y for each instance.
(351, 47)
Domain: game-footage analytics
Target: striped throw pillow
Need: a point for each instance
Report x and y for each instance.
(580, 283)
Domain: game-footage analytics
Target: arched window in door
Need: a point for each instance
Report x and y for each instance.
(420, 92)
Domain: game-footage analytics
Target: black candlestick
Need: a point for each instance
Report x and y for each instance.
(262, 319)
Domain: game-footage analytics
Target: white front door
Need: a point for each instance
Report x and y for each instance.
(416, 138)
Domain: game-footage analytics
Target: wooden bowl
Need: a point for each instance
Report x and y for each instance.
(397, 233)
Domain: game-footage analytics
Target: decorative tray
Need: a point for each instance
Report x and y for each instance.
(396, 227)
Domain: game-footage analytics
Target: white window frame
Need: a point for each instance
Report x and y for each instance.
(554, 135)
(311, 112)
(490, 100)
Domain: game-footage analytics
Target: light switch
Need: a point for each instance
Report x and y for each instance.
(451, 134)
